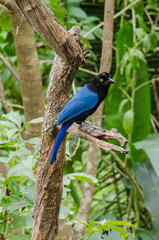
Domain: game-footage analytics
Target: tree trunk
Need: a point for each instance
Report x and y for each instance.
(30, 78)
(105, 65)
(69, 56)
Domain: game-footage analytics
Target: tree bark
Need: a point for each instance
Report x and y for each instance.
(30, 77)
(69, 56)
(105, 65)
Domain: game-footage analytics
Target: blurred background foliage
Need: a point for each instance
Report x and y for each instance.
(128, 187)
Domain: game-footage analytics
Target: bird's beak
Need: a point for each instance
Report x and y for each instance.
(110, 81)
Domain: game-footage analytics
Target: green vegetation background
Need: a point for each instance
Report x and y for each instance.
(130, 107)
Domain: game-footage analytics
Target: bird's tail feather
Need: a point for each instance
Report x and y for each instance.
(58, 141)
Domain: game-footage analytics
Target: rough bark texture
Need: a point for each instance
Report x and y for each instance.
(106, 59)
(40, 17)
(70, 56)
(97, 135)
(30, 78)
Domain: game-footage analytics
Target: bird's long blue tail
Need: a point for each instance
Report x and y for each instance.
(58, 141)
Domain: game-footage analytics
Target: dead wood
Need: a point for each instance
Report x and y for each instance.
(97, 135)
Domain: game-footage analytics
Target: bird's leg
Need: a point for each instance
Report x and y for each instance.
(79, 122)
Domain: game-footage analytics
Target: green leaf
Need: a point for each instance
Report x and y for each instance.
(21, 170)
(124, 40)
(80, 177)
(113, 118)
(8, 180)
(149, 181)
(19, 152)
(35, 141)
(11, 132)
(150, 43)
(77, 12)
(104, 224)
(36, 120)
(90, 19)
(7, 124)
(29, 219)
(124, 61)
(139, 54)
(120, 230)
(121, 105)
(13, 117)
(11, 204)
(142, 104)
(93, 223)
(3, 159)
(6, 73)
(7, 144)
(64, 211)
(128, 122)
(64, 192)
(140, 33)
(151, 146)
(16, 223)
(58, 11)
(18, 236)
(29, 191)
(128, 73)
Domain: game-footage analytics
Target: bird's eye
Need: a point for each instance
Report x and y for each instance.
(101, 80)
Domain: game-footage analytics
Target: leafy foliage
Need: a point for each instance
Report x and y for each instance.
(129, 108)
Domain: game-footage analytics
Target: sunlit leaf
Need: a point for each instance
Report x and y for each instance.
(36, 120)
(14, 117)
(77, 12)
(16, 223)
(80, 177)
(64, 211)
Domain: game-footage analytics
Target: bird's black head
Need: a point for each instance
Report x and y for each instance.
(100, 85)
(103, 79)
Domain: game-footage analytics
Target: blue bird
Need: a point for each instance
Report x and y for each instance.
(84, 103)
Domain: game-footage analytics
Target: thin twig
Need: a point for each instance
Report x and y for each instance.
(76, 148)
(155, 120)
(156, 21)
(155, 95)
(115, 16)
(126, 94)
(9, 66)
(153, 126)
(129, 206)
(15, 105)
(88, 71)
(126, 8)
(148, 16)
(115, 167)
(117, 196)
(129, 174)
(145, 83)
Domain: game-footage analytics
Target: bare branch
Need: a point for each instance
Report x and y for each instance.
(96, 134)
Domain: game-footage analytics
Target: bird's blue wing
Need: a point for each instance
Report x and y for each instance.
(84, 100)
